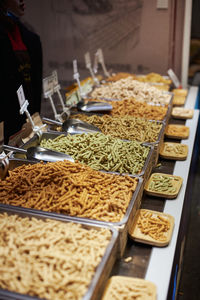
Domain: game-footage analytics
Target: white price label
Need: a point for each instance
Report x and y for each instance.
(95, 66)
(21, 96)
(75, 67)
(87, 60)
(48, 85)
(174, 78)
(101, 60)
(55, 78)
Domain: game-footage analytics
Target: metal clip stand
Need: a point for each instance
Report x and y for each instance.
(48, 90)
(101, 61)
(36, 129)
(4, 163)
(89, 67)
(174, 79)
(64, 108)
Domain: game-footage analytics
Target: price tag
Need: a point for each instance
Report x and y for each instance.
(174, 78)
(76, 77)
(89, 67)
(48, 85)
(96, 61)
(21, 96)
(75, 67)
(101, 60)
(55, 77)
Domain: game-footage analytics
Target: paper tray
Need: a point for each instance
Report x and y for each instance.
(122, 226)
(136, 234)
(103, 270)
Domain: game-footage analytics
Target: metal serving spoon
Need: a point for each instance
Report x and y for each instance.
(39, 153)
(74, 126)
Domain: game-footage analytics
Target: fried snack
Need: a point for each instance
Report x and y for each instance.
(128, 88)
(154, 77)
(180, 92)
(160, 86)
(152, 227)
(177, 131)
(134, 108)
(122, 287)
(175, 151)
(102, 152)
(47, 258)
(69, 188)
(178, 100)
(182, 113)
(163, 185)
(120, 75)
(125, 127)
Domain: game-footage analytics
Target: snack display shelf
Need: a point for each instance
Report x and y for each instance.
(162, 266)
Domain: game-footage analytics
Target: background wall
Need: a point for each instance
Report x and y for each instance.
(134, 35)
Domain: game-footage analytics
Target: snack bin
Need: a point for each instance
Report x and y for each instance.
(104, 268)
(165, 119)
(122, 226)
(157, 144)
(35, 141)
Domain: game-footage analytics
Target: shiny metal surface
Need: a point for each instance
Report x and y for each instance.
(39, 153)
(91, 106)
(74, 126)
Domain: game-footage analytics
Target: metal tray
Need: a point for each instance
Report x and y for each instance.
(103, 270)
(122, 226)
(34, 141)
(157, 144)
(169, 106)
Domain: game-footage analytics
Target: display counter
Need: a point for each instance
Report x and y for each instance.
(162, 266)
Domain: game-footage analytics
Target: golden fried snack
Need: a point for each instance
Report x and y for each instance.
(49, 259)
(152, 227)
(69, 188)
(125, 127)
(177, 131)
(123, 287)
(134, 108)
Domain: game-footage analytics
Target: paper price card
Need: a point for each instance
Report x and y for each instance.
(101, 60)
(55, 78)
(174, 78)
(21, 96)
(48, 85)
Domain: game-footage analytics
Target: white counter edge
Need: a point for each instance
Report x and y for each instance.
(161, 260)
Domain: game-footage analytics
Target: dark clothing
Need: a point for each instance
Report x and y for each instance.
(12, 76)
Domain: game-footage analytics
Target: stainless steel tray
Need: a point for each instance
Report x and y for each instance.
(103, 270)
(169, 107)
(122, 226)
(34, 141)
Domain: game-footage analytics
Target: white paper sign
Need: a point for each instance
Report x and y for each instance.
(101, 60)
(174, 78)
(48, 85)
(21, 96)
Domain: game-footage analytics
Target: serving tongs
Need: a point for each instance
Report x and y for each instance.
(73, 126)
(40, 154)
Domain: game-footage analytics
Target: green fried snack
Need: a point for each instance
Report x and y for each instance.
(102, 152)
(125, 127)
